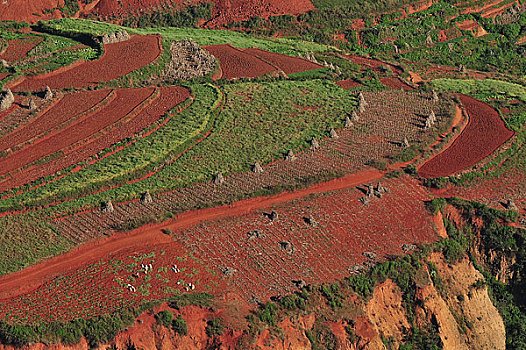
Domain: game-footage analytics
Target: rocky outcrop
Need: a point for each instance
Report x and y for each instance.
(116, 37)
(189, 61)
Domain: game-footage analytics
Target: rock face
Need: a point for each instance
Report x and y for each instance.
(189, 61)
(116, 37)
(6, 100)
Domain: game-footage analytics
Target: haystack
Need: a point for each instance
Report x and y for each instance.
(6, 100)
(354, 117)
(146, 197)
(348, 122)
(290, 157)
(218, 179)
(107, 207)
(314, 145)
(32, 105)
(48, 94)
(257, 168)
(434, 96)
(333, 134)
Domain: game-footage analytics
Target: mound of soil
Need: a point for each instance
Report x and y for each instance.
(119, 59)
(286, 63)
(395, 83)
(239, 64)
(484, 133)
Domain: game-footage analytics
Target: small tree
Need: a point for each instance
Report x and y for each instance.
(164, 318)
(179, 326)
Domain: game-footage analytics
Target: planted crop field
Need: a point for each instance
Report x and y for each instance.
(18, 48)
(110, 117)
(286, 63)
(319, 238)
(376, 136)
(118, 59)
(348, 84)
(239, 64)
(485, 132)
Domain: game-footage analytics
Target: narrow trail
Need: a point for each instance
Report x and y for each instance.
(31, 278)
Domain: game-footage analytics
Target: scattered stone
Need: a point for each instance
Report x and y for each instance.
(290, 157)
(6, 100)
(219, 179)
(333, 134)
(107, 207)
(146, 197)
(406, 248)
(314, 145)
(48, 94)
(370, 255)
(257, 168)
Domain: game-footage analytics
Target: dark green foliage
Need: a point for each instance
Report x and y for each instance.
(436, 205)
(423, 339)
(187, 16)
(214, 327)
(332, 293)
(267, 313)
(164, 318)
(293, 302)
(70, 7)
(179, 326)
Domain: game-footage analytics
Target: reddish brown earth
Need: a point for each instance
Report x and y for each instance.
(119, 119)
(28, 10)
(286, 63)
(18, 48)
(484, 133)
(348, 84)
(322, 250)
(239, 64)
(118, 59)
(396, 83)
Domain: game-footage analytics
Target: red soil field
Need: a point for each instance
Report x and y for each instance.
(348, 84)
(322, 252)
(118, 59)
(3, 75)
(169, 98)
(27, 10)
(125, 102)
(18, 48)
(238, 64)
(484, 133)
(286, 63)
(395, 83)
(371, 63)
(68, 107)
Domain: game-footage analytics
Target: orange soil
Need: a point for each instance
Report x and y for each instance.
(29, 279)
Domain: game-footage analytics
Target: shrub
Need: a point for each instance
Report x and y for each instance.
(214, 327)
(164, 318)
(179, 326)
